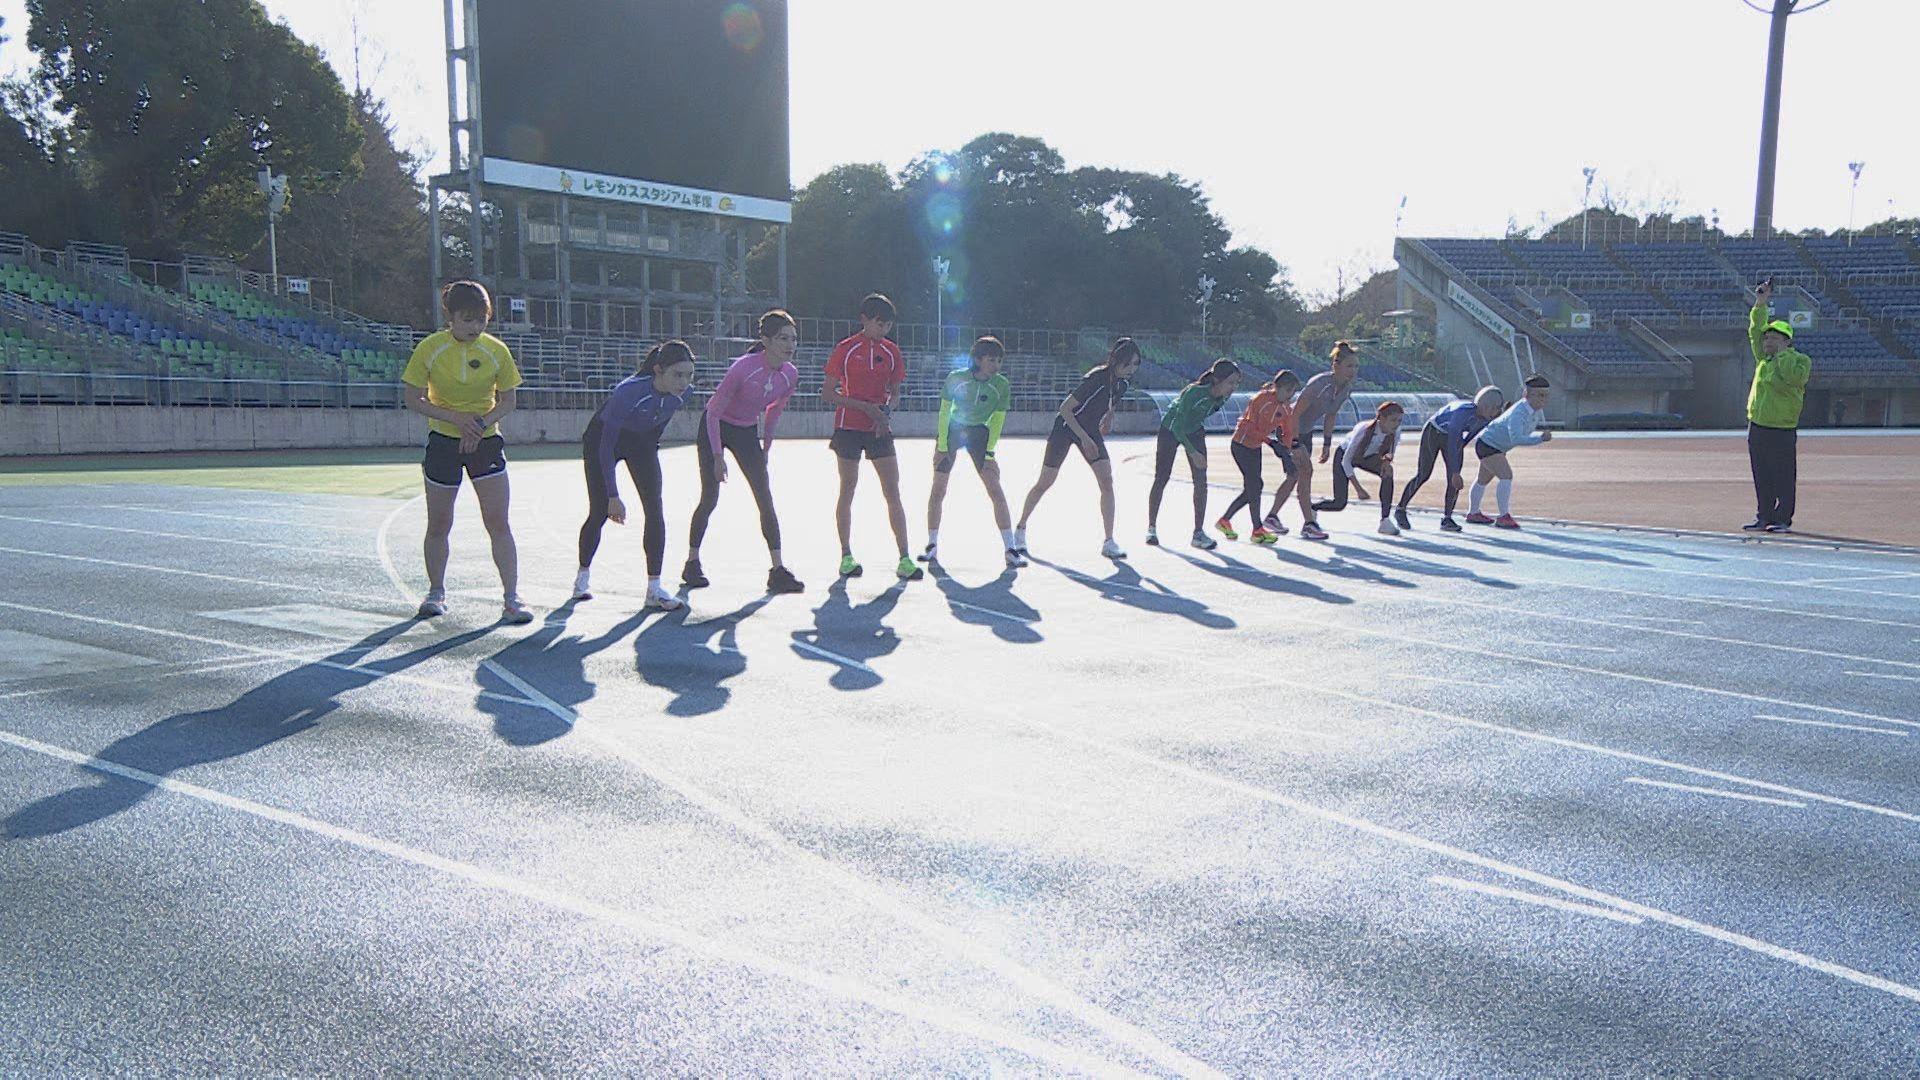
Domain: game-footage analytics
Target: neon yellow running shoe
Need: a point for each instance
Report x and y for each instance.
(1226, 529)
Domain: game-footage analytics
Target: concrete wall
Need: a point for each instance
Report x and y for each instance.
(114, 429)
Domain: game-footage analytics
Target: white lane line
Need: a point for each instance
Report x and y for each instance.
(1883, 575)
(1719, 793)
(932, 1014)
(1448, 851)
(1571, 645)
(1403, 638)
(371, 674)
(1028, 980)
(1535, 898)
(385, 555)
(1010, 617)
(1758, 582)
(826, 654)
(1831, 724)
(1437, 679)
(335, 553)
(1659, 619)
(231, 517)
(1884, 675)
(380, 600)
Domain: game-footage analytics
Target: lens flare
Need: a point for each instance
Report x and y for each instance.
(943, 214)
(741, 21)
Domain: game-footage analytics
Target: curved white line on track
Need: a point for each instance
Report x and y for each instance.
(386, 555)
(933, 1015)
(1535, 898)
(330, 552)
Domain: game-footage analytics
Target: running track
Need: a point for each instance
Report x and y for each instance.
(1554, 802)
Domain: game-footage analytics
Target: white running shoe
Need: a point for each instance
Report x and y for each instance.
(1388, 528)
(1153, 537)
(659, 599)
(1015, 558)
(515, 612)
(432, 606)
(580, 589)
(1204, 542)
(929, 555)
(1110, 550)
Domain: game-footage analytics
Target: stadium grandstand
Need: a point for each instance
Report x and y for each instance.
(1636, 326)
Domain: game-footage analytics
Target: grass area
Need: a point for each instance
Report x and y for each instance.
(381, 473)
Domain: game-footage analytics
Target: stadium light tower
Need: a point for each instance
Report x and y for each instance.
(1206, 298)
(1586, 198)
(275, 189)
(942, 266)
(1853, 197)
(1770, 108)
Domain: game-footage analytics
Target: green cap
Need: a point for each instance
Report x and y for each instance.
(1781, 326)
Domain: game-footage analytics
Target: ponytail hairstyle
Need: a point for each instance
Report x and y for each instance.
(1124, 351)
(1284, 378)
(1219, 371)
(1343, 350)
(987, 347)
(1388, 408)
(665, 355)
(770, 324)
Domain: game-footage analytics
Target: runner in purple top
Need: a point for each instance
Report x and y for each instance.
(754, 391)
(628, 428)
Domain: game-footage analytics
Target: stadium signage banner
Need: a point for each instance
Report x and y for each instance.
(640, 192)
(1481, 313)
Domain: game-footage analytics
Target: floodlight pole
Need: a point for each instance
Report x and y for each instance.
(275, 189)
(1770, 108)
(941, 267)
(1586, 198)
(1853, 197)
(1206, 298)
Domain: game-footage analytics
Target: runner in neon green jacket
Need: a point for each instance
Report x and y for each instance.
(973, 406)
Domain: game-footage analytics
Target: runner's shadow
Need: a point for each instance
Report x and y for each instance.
(1624, 545)
(286, 705)
(694, 661)
(1393, 560)
(553, 663)
(1512, 543)
(1339, 566)
(1128, 586)
(848, 635)
(1464, 551)
(992, 605)
(1237, 571)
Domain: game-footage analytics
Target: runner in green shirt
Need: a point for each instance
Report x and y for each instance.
(973, 406)
(1183, 427)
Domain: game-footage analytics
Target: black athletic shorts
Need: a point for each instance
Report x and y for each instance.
(972, 439)
(1061, 439)
(851, 444)
(1483, 451)
(444, 462)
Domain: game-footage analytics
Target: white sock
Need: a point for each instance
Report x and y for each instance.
(1006, 537)
(653, 585)
(1020, 537)
(1474, 495)
(933, 537)
(1503, 490)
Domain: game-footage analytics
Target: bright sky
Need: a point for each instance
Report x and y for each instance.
(1307, 121)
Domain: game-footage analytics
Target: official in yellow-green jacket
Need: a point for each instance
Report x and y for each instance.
(1773, 414)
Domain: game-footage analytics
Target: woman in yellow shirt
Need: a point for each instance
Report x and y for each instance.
(462, 380)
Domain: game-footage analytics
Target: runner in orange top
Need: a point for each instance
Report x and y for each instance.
(1268, 419)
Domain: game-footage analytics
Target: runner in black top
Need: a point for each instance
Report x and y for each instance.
(1085, 419)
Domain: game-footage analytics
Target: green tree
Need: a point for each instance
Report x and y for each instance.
(848, 238)
(178, 105)
(369, 235)
(37, 170)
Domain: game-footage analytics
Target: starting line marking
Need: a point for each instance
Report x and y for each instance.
(1717, 792)
(1884, 675)
(1535, 898)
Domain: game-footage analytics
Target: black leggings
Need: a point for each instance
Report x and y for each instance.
(1433, 446)
(1248, 458)
(744, 443)
(1163, 455)
(1341, 481)
(642, 455)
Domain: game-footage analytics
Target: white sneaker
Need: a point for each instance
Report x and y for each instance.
(1153, 538)
(1020, 539)
(659, 599)
(929, 555)
(515, 612)
(1204, 542)
(1388, 528)
(432, 606)
(1111, 550)
(580, 589)
(1015, 559)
